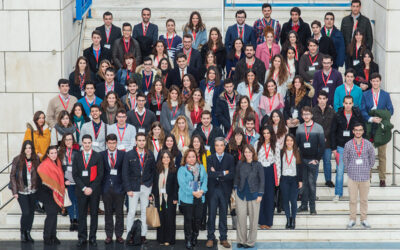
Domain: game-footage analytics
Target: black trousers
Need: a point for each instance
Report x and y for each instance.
(166, 233)
(217, 199)
(51, 208)
(85, 202)
(192, 218)
(27, 204)
(113, 200)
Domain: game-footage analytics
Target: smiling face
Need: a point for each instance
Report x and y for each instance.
(196, 96)
(52, 154)
(170, 27)
(244, 104)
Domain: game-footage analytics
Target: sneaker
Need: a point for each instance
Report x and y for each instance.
(365, 224)
(336, 198)
(351, 224)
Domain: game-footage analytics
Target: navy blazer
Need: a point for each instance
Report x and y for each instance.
(174, 76)
(338, 41)
(113, 181)
(115, 34)
(195, 59)
(249, 36)
(101, 90)
(146, 42)
(217, 91)
(367, 103)
(217, 179)
(93, 64)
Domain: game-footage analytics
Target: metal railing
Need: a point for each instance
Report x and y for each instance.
(394, 164)
(5, 187)
(82, 7)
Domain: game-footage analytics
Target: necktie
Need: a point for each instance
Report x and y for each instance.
(329, 32)
(112, 160)
(183, 73)
(219, 158)
(240, 31)
(145, 28)
(86, 157)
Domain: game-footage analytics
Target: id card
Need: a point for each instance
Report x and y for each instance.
(307, 145)
(142, 130)
(288, 172)
(346, 133)
(195, 126)
(330, 81)
(315, 64)
(326, 89)
(121, 147)
(311, 68)
(295, 114)
(82, 93)
(359, 161)
(114, 172)
(356, 62)
(95, 144)
(85, 173)
(69, 168)
(207, 147)
(146, 93)
(158, 112)
(107, 46)
(163, 191)
(173, 122)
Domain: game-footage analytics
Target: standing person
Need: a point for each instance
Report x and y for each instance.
(270, 99)
(250, 133)
(292, 63)
(101, 72)
(125, 133)
(348, 88)
(336, 35)
(297, 24)
(95, 54)
(212, 88)
(165, 191)
(192, 180)
(78, 118)
(355, 49)
(137, 175)
(159, 52)
(379, 102)
(252, 88)
(250, 62)
(236, 144)
(326, 45)
(110, 107)
(220, 170)
(277, 122)
(129, 100)
(293, 41)
(359, 159)
(234, 55)
(356, 21)
(182, 133)
(240, 30)
(62, 101)
(193, 55)
(109, 32)
(176, 75)
(90, 98)
(109, 84)
(51, 193)
(265, 51)
(342, 132)
(112, 190)
(249, 187)
(207, 131)
(197, 29)
(79, 76)
(195, 107)
(124, 45)
(63, 126)
(366, 68)
(141, 117)
(96, 129)
(24, 184)
(324, 115)
(41, 137)
(215, 45)
(171, 39)
(261, 23)
(155, 139)
(88, 171)
(172, 109)
(165, 68)
(311, 62)
(280, 74)
(127, 71)
(148, 73)
(145, 33)
(243, 109)
(157, 96)
(311, 141)
(226, 105)
(171, 145)
(291, 179)
(268, 153)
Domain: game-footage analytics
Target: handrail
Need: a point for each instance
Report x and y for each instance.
(394, 164)
(4, 187)
(83, 6)
(6, 167)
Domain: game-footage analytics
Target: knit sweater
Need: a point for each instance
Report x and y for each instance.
(55, 106)
(125, 138)
(314, 147)
(99, 143)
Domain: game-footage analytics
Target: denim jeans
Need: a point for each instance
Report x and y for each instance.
(73, 209)
(327, 164)
(289, 189)
(339, 173)
(309, 184)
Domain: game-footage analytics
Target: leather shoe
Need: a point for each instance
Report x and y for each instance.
(93, 242)
(302, 209)
(23, 236)
(28, 236)
(382, 183)
(108, 240)
(293, 224)
(313, 212)
(210, 243)
(81, 243)
(56, 241)
(240, 245)
(48, 241)
(225, 243)
(287, 223)
(120, 240)
(247, 246)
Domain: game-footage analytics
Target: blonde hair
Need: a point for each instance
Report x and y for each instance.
(175, 130)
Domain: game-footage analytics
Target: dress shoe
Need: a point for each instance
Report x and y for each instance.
(225, 243)
(240, 245)
(279, 209)
(75, 222)
(329, 184)
(93, 242)
(64, 212)
(143, 239)
(108, 240)
(81, 243)
(203, 226)
(194, 240)
(382, 183)
(48, 241)
(28, 236)
(248, 246)
(120, 240)
(313, 212)
(71, 226)
(39, 209)
(288, 223)
(293, 224)
(210, 243)
(56, 241)
(302, 209)
(100, 212)
(23, 236)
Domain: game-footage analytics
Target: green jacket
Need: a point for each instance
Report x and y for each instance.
(382, 132)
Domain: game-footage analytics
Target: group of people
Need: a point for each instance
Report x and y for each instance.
(206, 126)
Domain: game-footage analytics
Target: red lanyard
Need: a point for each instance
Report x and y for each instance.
(165, 78)
(183, 142)
(357, 48)
(133, 101)
(113, 161)
(69, 155)
(144, 116)
(232, 105)
(375, 99)
(97, 55)
(194, 33)
(240, 33)
(248, 137)
(112, 87)
(145, 30)
(62, 102)
(176, 111)
(108, 35)
(141, 158)
(88, 103)
(345, 89)
(197, 114)
(291, 158)
(208, 134)
(129, 45)
(123, 133)
(361, 149)
(28, 165)
(76, 127)
(271, 102)
(267, 152)
(312, 61)
(148, 82)
(188, 56)
(288, 67)
(366, 73)
(172, 40)
(81, 80)
(250, 93)
(155, 146)
(348, 123)
(297, 55)
(158, 100)
(209, 88)
(323, 77)
(306, 132)
(355, 25)
(275, 76)
(250, 66)
(98, 132)
(86, 163)
(240, 154)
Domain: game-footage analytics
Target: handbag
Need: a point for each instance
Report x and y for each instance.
(152, 216)
(67, 200)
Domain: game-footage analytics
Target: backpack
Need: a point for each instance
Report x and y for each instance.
(135, 233)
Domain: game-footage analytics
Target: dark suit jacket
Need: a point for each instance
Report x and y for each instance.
(195, 60)
(171, 188)
(249, 36)
(215, 132)
(101, 90)
(115, 34)
(115, 180)
(217, 179)
(146, 42)
(174, 76)
(304, 31)
(360, 74)
(90, 56)
(75, 89)
(118, 52)
(95, 165)
(327, 47)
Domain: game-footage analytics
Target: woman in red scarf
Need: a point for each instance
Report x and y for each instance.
(51, 193)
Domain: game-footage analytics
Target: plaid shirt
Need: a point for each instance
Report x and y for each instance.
(259, 26)
(359, 172)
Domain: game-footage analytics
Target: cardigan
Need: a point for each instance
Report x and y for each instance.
(126, 138)
(341, 92)
(99, 143)
(144, 123)
(167, 115)
(185, 193)
(175, 42)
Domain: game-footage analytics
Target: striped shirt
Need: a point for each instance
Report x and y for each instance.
(358, 159)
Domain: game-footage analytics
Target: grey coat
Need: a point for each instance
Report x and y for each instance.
(253, 172)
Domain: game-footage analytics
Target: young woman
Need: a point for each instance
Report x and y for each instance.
(355, 49)
(182, 133)
(63, 126)
(109, 108)
(291, 179)
(215, 45)
(171, 109)
(78, 117)
(265, 51)
(251, 88)
(210, 61)
(24, 184)
(277, 122)
(197, 29)
(236, 144)
(233, 57)
(242, 111)
(157, 96)
(291, 63)
(268, 154)
(192, 180)
(293, 41)
(249, 186)
(270, 99)
(279, 73)
(41, 137)
(126, 72)
(188, 85)
(160, 52)
(212, 87)
(155, 139)
(100, 75)
(299, 95)
(171, 39)
(78, 77)
(195, 106)
(51, 193)
(67, 155)
(171, 145)
(365, 69)
(165, 191)
(165, 68)
(129, 100)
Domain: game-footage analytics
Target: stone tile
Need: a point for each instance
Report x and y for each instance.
(41, 100)
(3, 150)
(392, 25)
(70, 29)
(48, 21)
(391, 67)
(22, 77)
(64, 3)
(380, 25)
(19, 111)
(69, 57)
(14, 144)
(393, 4)
(15, 31)
(2, 73)
(31, 4)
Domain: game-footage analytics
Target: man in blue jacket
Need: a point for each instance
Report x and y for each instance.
(240, 30)
(336, 35)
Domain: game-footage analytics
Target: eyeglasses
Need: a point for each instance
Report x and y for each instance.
(358, 130)
(147, 64)
(121, 117)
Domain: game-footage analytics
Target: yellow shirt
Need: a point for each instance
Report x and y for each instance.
(204, 159)
(41, 142)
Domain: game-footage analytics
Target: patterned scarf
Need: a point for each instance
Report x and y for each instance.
(53, 177)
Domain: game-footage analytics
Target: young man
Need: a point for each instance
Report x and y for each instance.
(327, 79)
(379, 102)
(96, 129)
(333, 33)
(297, 24)
(341, 132)
(359, 158)
(87, 171)
(145, 33)
(249, 62)
(207, 131)
(126, 44)
(240, 30)
(109, 32)
(220, 170)
(347, 88)
(90, 98)
(62, 101)
(226, 105)
(310, 62)
(311, 141)
(250, 133)
(125, 133)
(176, 75)
(141, 117)
(265, 21)
(193, 56)
(137, 174)
(109, 85)
(96, 53)
(113, 191)
(148, 74)
(326, 45)
(129, 100)
(356, 21)
(323, 114)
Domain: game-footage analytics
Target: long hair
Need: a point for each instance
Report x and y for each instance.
(154, 52)
(256, 86)
(219, 42)
(164, 59)
(283, 74)
(149, 138)
(171, 165)
(287, 44)
(266, 92)
(127, 56)
(281, 131)
(76, 71)
(99, 72)
(231, 54)
(61, 115)
(232, 145)
(217, 76)
(175, 129)
(63, 148)
(77, 104)
(104, 103)
(210, 52)
(36, 117)
(190, 102)
(22, 155)
(299, 94)
(251, 148)
(192, 80)
(48, 150)
(272, 139)
(352, 46)
(200, 26)
(187, 152)
(248, 110)
(202, 149)
(179, 98)
(174, 150)
(164, 90)
(296, 151)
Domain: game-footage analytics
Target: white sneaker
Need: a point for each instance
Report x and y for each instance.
(351, 224)
(336, 198)
(365, 224)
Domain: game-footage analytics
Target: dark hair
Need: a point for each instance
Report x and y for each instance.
(228, 81)
(104, 104)
(250, 118)
(63, 148)
(48, 151)
(217, 75)
(312, 40)
(375, 75)
(296, 151)
(72, 113)
(111, 137)
(96, 32)
(202, 149)
(148, 9)
(206, 112)
(181, 55)
(353, 44)
(248, 45)
(140, 134)
(121, 111)
(95, 106)
(61, 115)
(323, 93)
(185, 155)
(272, 140)
(154, 52)
(306, 109)
(251, 148)
(164, 90)
(232, 142)
(86, 76)
(62, 81)
(22, 156)
(36, 117)
(348, 97)
(358, 124)
(200, 25)
(87, 136)
(329, 14)
(140, 94)
(174, 150)
(317, 23)
(241, 11)
(219, 42)
(266, 92)
(256, 86)
(160, 62)
(283, 71)
(147, 58)
(327, 57)
(210, 52)
(295, 9)
(187, 36)
(107, 13)
(171, 166)
(355, 1)
(110, 69)
(286, 45)
(367, 52)
(90, 82)
(128, 56)
(150, 136)
(231, 54)
(126, 25)
(350, 70)
(281, 131)
(266, 5)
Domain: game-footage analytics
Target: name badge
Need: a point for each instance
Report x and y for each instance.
(107, 46)
(142, 130)
(158, 112)
(95, 144)
(326, 89)
(69, 168)
(170, 53)
(330, 81)
(121, 147)
(346, 133)
(307, 145)
(288, 171)
(146, 93)
(207, 147)
(114, 172)
(85, 173)
(311, 68)
(173, 122)
(359, 161)
(356, 62)
(270, 65)
(163, 191)
(315, 64)
(295, 114)
(82, 93)
(373, 108)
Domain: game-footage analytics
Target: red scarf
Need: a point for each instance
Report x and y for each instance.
(53, 177)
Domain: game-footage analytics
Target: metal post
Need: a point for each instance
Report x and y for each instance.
(223, 16)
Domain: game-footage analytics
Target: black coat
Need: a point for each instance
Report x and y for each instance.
(115, 34)
(215, 132)
(195, 59)
(101, 90)
(147, 42)
(95, 169)
(113, 181)
(222, 111)
(360, 74)
(290, 105)
(217, 179)
(118, 52)
(91, 57)
(171, 188)
(364, 25)
(241, 68)
(174, 76)
(74, 89)
(327, 47)
(220, 53)
(304, 31)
